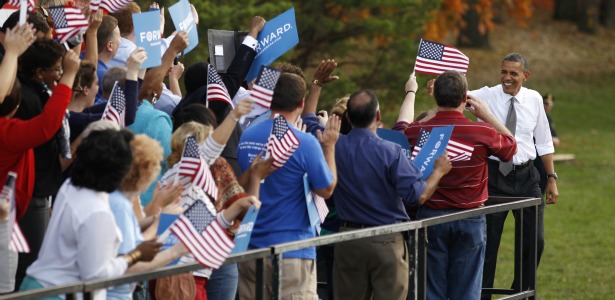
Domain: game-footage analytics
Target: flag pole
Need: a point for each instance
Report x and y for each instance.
(176, 178)
(23, 9)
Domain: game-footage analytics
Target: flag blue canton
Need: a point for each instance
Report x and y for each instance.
(268, 78)
(57, 14)
(192, 148)
(199, 215)
(118, 99)
(280, 127)
(213, 77)
(431, 50)
(423, 136)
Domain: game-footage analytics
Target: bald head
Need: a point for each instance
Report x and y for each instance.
(362, 108)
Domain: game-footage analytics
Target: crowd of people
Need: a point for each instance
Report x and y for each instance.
(90, 192)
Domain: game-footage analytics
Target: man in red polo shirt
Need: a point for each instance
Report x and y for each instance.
(456, 250)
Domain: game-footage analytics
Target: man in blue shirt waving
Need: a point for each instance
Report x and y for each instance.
(376, 181)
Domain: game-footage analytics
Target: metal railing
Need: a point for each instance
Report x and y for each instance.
(417, 229)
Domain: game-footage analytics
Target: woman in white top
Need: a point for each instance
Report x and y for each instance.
(81, 242)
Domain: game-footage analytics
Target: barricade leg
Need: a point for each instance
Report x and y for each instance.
(276, 276)
(260, 276)
(421, 267)
(533, 251)
(517, 285)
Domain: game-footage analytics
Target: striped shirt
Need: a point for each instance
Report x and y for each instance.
(465, 186)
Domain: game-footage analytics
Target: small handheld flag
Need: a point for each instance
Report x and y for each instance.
(262, 91)
(116, 106)
(193, 166)
(18, 242)
(435, 58)
(282, 142)
(198, 229)
(112, 6)
(216, 90)
(68, 21)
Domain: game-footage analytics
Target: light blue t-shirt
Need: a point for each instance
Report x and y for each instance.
(157, 125)
(128, 225)
(283, 216)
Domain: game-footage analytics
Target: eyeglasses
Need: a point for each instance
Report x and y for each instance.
(57, 70)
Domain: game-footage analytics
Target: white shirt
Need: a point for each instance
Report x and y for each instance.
(122, 54)
(81, 241)
(531, 120)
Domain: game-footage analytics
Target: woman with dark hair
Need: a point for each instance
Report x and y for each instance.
(82, 240)
(39, 69)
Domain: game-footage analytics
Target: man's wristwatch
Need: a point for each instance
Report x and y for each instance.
(554, 175)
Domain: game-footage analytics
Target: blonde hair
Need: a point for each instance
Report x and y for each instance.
(198, 130)
(146, 157)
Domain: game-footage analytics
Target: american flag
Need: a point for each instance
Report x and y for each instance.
(262, 91)
(282, 142)
(17, 3)
(434, 58)
(201, 233)
(94, 4)
(194, 167)
(321, 206)
(458, 151)
(216, 90)
(112, 6)
(423, 136)
(115, 110)
(18, 242)
(69, 21)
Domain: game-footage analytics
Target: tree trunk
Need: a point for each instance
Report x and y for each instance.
(473, 33)
(565, 10)
(589, 16)
(607, 13)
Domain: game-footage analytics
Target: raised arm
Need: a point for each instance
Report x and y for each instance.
(153, 77)
(131, 85)
(91, 41)
(406, 111)
(322, 76)
(16, 41)
(327, 140)
(481, 110)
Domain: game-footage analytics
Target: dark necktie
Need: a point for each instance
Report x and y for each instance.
(511, 124)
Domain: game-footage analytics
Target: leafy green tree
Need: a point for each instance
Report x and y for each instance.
(373, 41)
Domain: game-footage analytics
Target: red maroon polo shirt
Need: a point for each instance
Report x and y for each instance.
(465, 186)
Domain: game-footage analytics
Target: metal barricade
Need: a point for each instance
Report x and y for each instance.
(417, 230)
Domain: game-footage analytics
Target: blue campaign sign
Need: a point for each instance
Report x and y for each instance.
(397, 138)
(433, 148)
(164, 234)
(184, 21)
(242, 239)
(147, 36)
(277, 37)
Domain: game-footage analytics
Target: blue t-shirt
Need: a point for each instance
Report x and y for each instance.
(283, 216)
(128, 225)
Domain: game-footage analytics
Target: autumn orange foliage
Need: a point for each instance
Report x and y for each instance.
(448, 19)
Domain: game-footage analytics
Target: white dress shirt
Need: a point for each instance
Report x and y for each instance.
(531, 120)
(81, 242)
